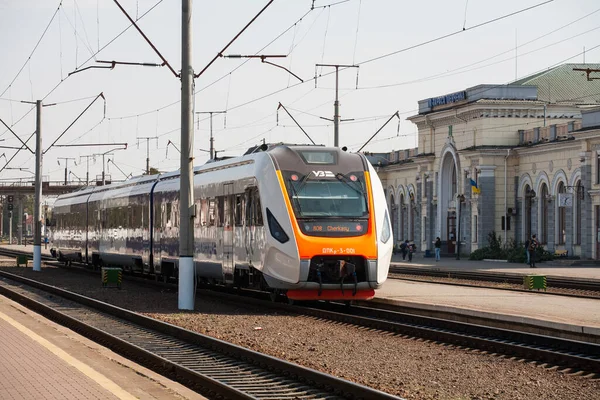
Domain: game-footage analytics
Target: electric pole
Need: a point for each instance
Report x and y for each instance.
(66, 165)
(186, 293)
(147, 139)
(37, 203)
(336, 104)
(212, 147)
(87, 169)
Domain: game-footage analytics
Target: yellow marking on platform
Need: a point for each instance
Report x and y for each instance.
(66, 357)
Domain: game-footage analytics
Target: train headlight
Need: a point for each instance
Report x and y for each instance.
(386, 232)
(276, 230)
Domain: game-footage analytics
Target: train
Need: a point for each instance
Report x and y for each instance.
(307, 222)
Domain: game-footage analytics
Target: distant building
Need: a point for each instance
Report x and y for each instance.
(544, 131)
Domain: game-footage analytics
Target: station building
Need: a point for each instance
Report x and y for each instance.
(516, 159)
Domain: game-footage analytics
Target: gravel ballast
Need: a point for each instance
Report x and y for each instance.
(407, 367)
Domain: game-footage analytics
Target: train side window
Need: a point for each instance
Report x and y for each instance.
(228, 211)
(253, 208)
(258, 209)
(203, 212)
(239, 210)
(211, 212)
(220, 210)
(168, 214)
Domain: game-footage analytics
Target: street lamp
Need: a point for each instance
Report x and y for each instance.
(461, 199)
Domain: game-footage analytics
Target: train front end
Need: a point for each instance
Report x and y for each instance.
(340, 221)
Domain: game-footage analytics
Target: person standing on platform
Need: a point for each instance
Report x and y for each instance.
(438, 248)
(411, 249)
(404, 248)
(527, 250)
(533, 244)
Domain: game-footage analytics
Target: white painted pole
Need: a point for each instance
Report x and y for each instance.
(37, 204)
(186, 295)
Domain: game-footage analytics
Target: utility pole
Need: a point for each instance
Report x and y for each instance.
(186, 296)
(147, 139)
(212, 147)
(336, 104)
(37, 203)
(20, 220)
(66, 165)
(10, 214)
(87, 169)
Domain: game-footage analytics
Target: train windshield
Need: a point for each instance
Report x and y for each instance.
(325, 195)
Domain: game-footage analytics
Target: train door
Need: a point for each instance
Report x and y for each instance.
(146, 235)
(228, 218)
(157, 233)
(248, 229)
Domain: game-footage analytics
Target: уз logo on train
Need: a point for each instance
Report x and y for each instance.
(324, 174)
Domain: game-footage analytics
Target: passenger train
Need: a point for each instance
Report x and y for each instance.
(309, 222)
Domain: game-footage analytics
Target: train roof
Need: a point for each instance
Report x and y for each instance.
(273, 150)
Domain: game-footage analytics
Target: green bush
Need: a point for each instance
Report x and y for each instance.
(513, 251)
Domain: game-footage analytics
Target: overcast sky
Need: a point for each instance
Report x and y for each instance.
(144, 101)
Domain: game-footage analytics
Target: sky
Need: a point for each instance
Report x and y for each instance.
(405, 51)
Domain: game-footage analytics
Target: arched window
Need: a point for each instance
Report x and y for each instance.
(562, 218)
(401, 219)
(394, 216)
(543, 236)
(411, 221)
(527, 199)
(578, 205)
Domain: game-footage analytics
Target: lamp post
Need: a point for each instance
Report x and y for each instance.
(461, 199)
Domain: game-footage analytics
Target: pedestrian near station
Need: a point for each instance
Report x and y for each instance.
(533, 244)
(438, 248)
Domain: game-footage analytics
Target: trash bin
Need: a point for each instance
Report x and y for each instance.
(428, 254)
(112, 276)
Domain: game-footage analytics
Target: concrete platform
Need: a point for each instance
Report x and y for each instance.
(26, 248)
(551, 268)
(559, 313)
(42, 360)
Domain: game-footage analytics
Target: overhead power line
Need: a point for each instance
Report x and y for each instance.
(454, 33)
(34, 49)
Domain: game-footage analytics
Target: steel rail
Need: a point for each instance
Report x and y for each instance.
(223, 368)
(543, 348)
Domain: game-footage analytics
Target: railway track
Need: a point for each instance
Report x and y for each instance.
(577, 287)
(555, 351)
(211, 366)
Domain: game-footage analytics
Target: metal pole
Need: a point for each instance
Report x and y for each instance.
(87, 172)
(458, 228)
(103, 176)
(20, 220)
(336, 112)
(186, 232)
(37, 202)
(147, 156)
(212, 147)
(10, 224)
